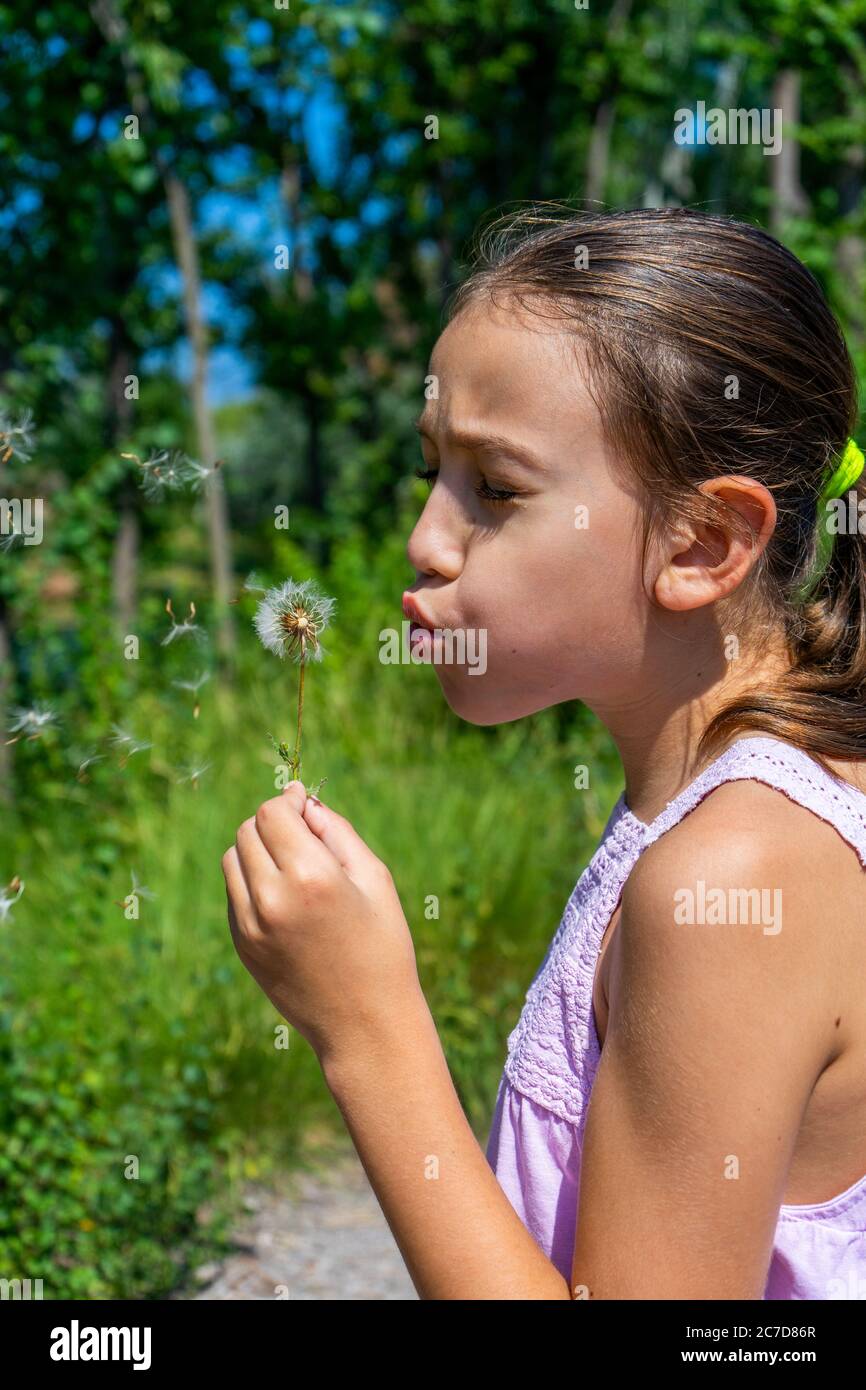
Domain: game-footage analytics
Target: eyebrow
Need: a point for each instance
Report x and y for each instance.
(483, 443)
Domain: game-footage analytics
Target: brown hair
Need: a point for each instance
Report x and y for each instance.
(679, 310)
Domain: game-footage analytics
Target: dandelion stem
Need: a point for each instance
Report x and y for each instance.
(296, 761)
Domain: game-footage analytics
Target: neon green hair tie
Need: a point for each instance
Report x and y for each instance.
(838, 481)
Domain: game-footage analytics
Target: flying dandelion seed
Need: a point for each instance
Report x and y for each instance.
(194, 686)
(198, 475)
(250, 585)
(9, 896)
(166, 470)
(81, 774)
(12, 536)
(30, 723)
(187, 628)
(193, 774)
(127, 742)
(138, 888)
(16, 438)
(289, 621)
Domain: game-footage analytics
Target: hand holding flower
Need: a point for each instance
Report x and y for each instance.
(317, 921)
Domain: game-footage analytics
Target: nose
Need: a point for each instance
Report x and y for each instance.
(435, 546)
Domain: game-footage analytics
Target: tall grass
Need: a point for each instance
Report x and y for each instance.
(144, 1039)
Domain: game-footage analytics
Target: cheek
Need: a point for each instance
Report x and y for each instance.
(538, 577)
(554, 599)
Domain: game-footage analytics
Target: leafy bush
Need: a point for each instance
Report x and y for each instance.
(144, 1037)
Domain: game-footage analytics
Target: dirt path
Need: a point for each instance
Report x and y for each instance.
(323, 1237)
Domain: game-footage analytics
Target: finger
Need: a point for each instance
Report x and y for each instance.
(243, 922)
(234, 928)
(284, 833)
(236, 887)
(339, 836)
(256, 863)
(296, 794)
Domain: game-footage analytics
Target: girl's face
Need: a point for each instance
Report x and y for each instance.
(549, 576)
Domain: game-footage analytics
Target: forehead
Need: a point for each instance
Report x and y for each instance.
(510, 370)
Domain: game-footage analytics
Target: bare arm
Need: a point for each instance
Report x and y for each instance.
(317, 921)
(716, 1037)
(457, 1231)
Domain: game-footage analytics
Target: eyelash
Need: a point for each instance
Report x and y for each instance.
(490, 495)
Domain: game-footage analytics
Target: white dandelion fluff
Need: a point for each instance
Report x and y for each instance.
(165, 470)
(30, 723)
(188, 628)
(138, 888)
(192, 774)
(195, 684)
(198, 474)
(9, 896)
(126, 741)
(11, 535)
(290, 619)
(87, 762)
(16, 437)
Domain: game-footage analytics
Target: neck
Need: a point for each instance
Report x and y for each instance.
(657, 732)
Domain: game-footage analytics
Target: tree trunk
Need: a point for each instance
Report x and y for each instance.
(598, 156)
(851, 264)
(445, 242)
(124, 557)
(186, 252)
(124, 563)
(851, 250)
(727, 86)
(599, 153)
(116, 30)
(788, 197)
(290, 190)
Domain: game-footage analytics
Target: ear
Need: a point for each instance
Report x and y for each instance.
(706, 563)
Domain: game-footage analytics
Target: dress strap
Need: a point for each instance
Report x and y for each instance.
(787, 768)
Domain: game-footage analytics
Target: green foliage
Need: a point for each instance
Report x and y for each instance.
(143, 1036)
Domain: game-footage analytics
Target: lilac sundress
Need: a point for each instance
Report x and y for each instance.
(536, 1135)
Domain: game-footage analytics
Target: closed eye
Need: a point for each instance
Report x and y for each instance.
(490, 494)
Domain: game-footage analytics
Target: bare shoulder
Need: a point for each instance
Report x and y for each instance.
(757, 894)
(755, 831)
(732, 1002)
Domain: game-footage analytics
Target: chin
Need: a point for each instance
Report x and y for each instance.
(478, 707)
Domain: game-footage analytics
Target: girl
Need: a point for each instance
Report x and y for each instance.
(639, 418)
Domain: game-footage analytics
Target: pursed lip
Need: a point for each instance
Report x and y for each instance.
(413, 611)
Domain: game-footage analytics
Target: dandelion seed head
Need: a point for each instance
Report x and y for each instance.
(290, 619)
